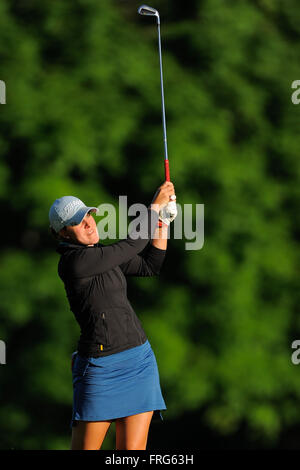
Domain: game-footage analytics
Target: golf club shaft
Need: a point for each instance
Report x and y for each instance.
(167, 170)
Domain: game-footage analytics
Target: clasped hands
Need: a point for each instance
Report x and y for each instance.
(165, 197)
(168, 213)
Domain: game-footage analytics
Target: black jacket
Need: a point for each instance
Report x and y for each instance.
(95, 284)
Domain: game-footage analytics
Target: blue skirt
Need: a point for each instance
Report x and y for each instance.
(115, 386)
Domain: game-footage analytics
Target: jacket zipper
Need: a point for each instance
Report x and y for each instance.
(105, 328)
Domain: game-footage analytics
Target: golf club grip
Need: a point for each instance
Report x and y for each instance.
(167, 178)
(167, 170)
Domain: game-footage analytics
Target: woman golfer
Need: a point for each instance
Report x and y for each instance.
(115, 374)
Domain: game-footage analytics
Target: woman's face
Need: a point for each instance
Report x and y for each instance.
(86, 232)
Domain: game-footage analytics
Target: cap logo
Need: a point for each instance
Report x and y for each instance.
(70, 208)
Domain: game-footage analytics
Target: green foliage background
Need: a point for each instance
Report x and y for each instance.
(83, 117)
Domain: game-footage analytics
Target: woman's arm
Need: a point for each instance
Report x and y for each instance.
(90, 261)
(95, 260)
(150, 262)
(160, 237)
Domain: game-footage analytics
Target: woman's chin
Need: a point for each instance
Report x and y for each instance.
(90, 240)
(95, 238)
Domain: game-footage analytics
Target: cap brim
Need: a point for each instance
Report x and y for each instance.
(80, 214)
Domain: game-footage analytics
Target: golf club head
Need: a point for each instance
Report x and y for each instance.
(148, 11)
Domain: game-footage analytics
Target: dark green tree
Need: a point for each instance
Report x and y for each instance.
(83, 117)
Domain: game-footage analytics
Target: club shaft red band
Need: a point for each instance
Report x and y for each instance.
(167, 170)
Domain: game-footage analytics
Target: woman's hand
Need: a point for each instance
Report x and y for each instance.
(162, 196)
(169, 212)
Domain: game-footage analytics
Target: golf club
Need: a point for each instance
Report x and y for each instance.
(149, 11)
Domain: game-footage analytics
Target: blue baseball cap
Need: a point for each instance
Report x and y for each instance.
(67, 210)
